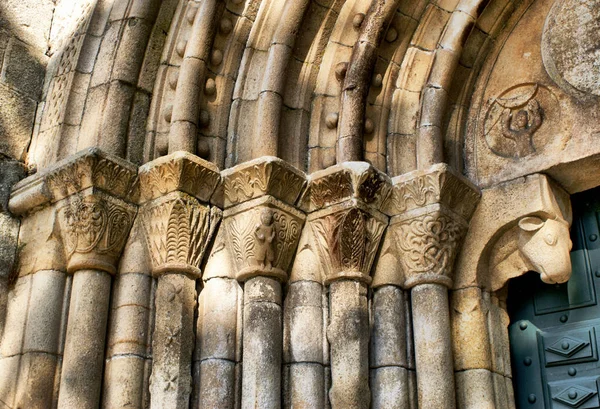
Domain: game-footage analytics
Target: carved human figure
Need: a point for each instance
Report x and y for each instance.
(265, 236)
(521, 126)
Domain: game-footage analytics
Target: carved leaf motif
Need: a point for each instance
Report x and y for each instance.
(370, 187)
(178, 234)
(177, 231)
(242, 238)
(429, 243)
(330, 189)
(374, 230)
(353, 240)
(326, 231)
(111, 174)
(242, 185)
(418, 191)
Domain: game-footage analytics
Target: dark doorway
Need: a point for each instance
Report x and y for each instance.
(554, 328)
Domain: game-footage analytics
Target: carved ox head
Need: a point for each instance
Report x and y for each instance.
(545, 246)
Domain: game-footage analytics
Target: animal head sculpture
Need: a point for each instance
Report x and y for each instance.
(544, 246)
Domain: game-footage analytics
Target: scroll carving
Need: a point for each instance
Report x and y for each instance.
(428, 246)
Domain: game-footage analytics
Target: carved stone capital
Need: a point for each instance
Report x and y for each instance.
(431, 211)
(349, 180)
(177, 220)
(94, 226)
(347, 237)
(427, 240)
(345, 220)
(180, 171)
(263, 234)
(438, 184)
(86, 169)
(263, 176)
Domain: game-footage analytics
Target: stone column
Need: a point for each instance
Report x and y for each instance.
(431, 209)
(95, 213)
(263, 228)
(305, 349)
(344, 203)
(178, 223)
(389, 332)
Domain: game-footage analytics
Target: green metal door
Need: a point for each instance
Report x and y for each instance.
(554, 328)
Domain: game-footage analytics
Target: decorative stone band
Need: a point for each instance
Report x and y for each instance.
(263, 176)
(179, 171)
(94, 226)
(263, 234)
(358, 180)
(88, 168)
(430, 212)
(178, 221)
(347, 237)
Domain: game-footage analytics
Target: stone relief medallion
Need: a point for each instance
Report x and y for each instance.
(571, 46)
(523, 121)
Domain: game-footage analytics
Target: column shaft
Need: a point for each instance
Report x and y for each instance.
(389, 373)
(348, 335)
(261, 374)
(81, 377)
(173, 342)
(433, 348)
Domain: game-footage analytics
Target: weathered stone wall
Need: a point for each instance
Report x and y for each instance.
(267, 203)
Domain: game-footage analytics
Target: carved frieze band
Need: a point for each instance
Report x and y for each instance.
(262, 176)
(350, 180)
(180, 171)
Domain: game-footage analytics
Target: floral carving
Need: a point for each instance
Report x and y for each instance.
(178, 172)
(178, 229)
(329, 190)
(428, 244)
(267, 177)
(243, 185)
(415, 192)
(347, 242)
(92, 168)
